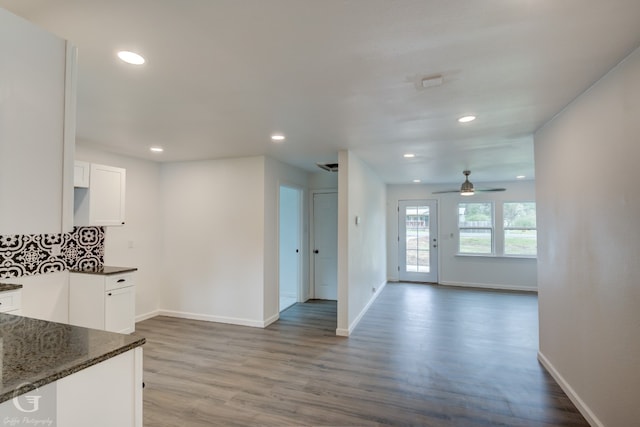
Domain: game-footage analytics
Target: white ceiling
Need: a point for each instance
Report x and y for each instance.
(223, 75)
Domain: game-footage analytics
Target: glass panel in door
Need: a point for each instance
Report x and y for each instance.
(417, 240)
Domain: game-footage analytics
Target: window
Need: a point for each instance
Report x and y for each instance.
(475, 228)
(520, 234)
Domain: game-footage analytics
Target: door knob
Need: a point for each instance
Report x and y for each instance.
(316, 251)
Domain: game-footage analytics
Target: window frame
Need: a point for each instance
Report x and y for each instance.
(505, 229)
(491, 229)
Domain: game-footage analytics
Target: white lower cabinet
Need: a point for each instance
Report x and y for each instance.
(103, 301)
(104, 395)
(11, 302)
(107, 394)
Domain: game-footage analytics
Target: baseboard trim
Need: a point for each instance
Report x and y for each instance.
(212, 318)
(570, 392)
(270, 320)
(346, 332)
(145, 316)
(491, 286)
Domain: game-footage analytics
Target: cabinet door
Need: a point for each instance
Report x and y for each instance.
(86, 300)
(33, 71)
(81, 174)
(102, 203)
(106, 192)
(120, 310)
(10, 301)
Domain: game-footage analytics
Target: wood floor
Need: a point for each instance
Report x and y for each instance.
(422, 356)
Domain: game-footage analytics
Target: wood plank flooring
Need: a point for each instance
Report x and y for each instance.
(422, 356)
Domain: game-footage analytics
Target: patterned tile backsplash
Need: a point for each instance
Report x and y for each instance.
(27, 255)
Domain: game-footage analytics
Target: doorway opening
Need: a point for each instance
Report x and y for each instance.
(290, 246)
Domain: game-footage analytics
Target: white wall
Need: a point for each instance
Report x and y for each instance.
(138, 243)
(490, 272)
(589, 241)
(277, 173)
(362, 247)
(323, 180)
(214, 240)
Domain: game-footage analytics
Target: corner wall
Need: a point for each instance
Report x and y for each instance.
(214, 240)
(361, 247)
(589, 241)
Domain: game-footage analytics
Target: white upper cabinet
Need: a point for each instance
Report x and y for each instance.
(81, 172)
(102, 202)
(37, 129)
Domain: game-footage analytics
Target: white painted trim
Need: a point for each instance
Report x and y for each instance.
(138, 374)
(342, 332)
(145, 316)
(491, 286)
(270, 320)
(570, 392)
(69, 136)
(217, 319)
(346, 332)
(208, 318)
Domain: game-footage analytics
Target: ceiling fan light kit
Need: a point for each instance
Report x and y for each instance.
(467, 189)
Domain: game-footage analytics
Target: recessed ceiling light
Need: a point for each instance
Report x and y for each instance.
(408, 156)
(277, 137)
(156, 149)
(466, 119)
(131, 57)
(520, 177)
(416, 181)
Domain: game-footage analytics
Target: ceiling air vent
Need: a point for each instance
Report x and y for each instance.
(331, 167)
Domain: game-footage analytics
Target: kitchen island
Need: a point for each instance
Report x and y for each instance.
(85, 376)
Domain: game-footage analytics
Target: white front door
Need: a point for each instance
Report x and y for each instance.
(325, 245)
(418, 240)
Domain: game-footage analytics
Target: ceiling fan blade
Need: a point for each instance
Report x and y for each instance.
(484, 190)
(445, 191)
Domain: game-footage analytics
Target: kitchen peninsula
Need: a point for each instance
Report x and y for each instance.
(95, 377)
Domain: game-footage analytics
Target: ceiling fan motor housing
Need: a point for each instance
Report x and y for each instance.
(466, 187)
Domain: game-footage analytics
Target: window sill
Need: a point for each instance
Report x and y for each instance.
(533, 257)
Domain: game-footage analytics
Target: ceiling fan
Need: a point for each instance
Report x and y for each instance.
(466, 189)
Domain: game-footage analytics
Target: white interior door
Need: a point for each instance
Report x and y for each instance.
(418, 240)
(290, 213)
(325, 245)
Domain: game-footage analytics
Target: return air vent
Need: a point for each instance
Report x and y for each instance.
(331, 167)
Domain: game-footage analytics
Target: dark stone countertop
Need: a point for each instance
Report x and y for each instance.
(105, 270)
(37, 352)
(9, 287)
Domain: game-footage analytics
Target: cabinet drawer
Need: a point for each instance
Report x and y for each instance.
(9, 301)
(118, 281)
